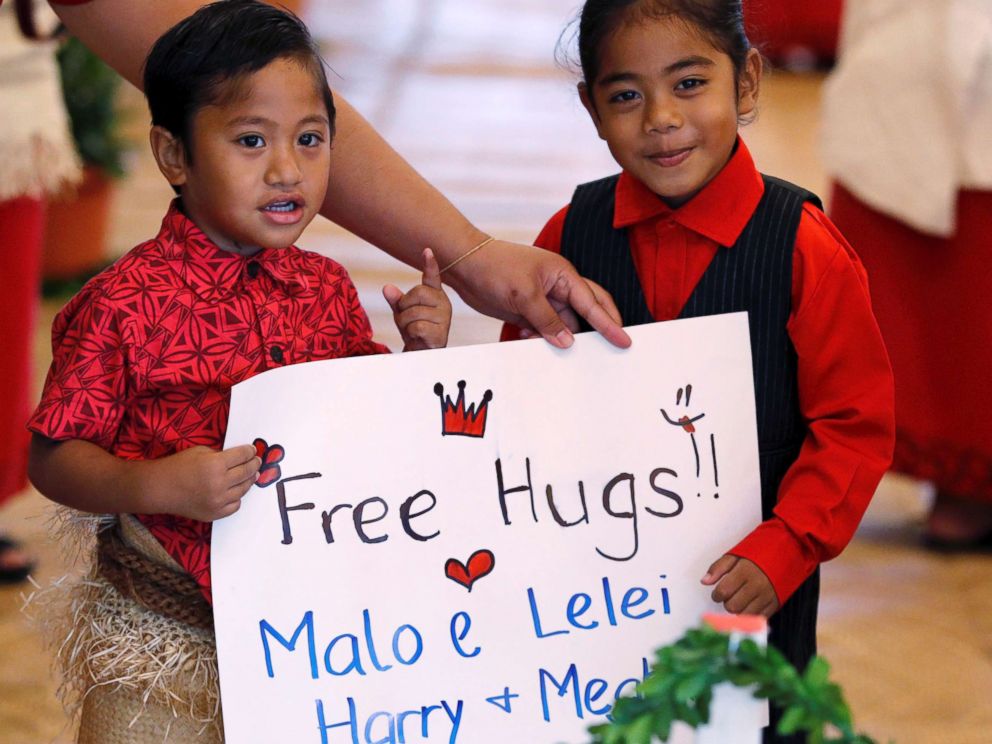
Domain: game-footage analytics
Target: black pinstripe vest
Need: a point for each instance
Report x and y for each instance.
(754, 276)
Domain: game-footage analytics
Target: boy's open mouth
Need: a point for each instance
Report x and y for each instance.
(282, 206)
(285, 211)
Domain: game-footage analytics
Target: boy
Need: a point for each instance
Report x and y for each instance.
(135, 406)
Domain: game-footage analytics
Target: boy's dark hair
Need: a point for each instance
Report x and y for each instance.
(201, 60)
(721, 21)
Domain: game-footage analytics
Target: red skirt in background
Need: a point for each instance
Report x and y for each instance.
(933, 300)
(786, 31)
(21, 229)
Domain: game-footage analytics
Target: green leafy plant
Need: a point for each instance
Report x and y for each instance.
(90, 90)
(684, 674)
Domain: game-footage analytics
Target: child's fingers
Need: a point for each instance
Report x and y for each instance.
(429, 334)
(242, 465)
(229, 508)
(738, 594)
(727, 590)
(393, 295)
(718, 569)
(432, 272)
(237, 491)
(234, 456)
(423, 295)
(417, 313)
(760, 605)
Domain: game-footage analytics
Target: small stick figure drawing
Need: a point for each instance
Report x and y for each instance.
(687, 424)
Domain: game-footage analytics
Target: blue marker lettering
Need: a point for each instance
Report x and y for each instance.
(373, 656)
(536, 618)
(571, 678)
(459, 634)
(573, 613)
(610, 613)
(664, 598)
(628, 602)
(594, 690)
(401, 721)
(355, 663)
(390, 736)
(323, 726)
(456, 719)
(307, 622)
(418, 645)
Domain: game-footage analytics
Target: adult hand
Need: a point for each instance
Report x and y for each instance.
(538, 290)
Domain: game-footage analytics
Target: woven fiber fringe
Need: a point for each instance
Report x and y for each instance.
(42, 168)
(127, 673)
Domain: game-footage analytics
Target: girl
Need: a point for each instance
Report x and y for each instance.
(688, 228)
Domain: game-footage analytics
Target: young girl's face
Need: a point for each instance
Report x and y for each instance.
(666, 102)
(259, 167)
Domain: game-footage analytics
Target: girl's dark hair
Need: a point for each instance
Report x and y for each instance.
(721, 21)
(195, 62)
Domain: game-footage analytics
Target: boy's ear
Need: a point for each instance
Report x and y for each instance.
(170, 154)
(586, 97)
(749, 83)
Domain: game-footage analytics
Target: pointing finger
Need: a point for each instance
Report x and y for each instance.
(432, 272)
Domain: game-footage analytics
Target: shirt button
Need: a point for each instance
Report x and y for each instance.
(276, 353)
(253, 269)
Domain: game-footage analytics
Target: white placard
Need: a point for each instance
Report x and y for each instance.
(393, 579)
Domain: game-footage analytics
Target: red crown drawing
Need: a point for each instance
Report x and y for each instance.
(461, 421)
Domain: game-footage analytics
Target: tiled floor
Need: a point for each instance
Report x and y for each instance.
(469, 92)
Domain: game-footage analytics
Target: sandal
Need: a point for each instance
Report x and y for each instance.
(17, 573)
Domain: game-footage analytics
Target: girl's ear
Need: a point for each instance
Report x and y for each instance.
(586, 97)
(170, 154)
(749, 83)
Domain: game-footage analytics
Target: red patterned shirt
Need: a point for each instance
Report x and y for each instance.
(145, 355)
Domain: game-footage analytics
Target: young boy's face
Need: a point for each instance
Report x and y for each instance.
(259, 167)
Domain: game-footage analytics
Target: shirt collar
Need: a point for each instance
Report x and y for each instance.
(719, 212)
(213, 273)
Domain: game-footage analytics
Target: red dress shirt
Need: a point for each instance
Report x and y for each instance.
(145, 355)
(845, 382)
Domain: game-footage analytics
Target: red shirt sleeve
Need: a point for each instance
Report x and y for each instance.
(846, 396)
(358, 327)
(85, 393)
(550, 240)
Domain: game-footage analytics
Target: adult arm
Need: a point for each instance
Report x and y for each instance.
(377, 195)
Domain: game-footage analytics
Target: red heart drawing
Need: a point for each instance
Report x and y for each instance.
(480, 564)
(270, 471)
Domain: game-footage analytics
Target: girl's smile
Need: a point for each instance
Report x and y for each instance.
(667, 103)
(670, 158)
